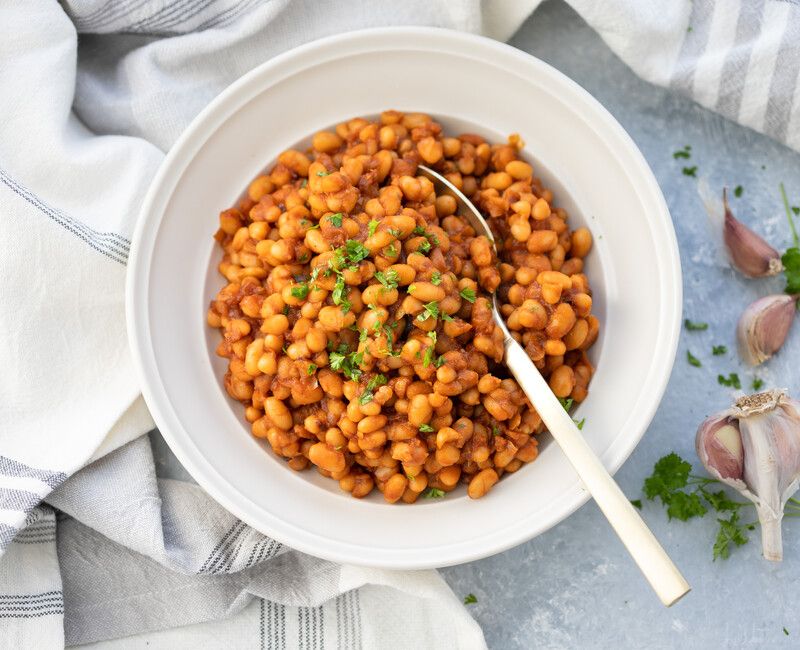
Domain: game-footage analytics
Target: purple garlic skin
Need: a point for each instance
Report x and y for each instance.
(755, 448)
(719, 447)
(763, 327)
(748, 252)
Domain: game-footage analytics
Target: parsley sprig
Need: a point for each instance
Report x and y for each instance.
(688, 496)
(791, 258)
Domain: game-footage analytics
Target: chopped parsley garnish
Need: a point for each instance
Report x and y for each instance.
(356, 251)
(424, 246)
(311, 368)
(369, 391)
(346, 363)
(339, 294)
(717, 350)
(496, 431)
(636, 503)
(321, 173)
(304, 183)
(418, 230)
(683, 153)
(737, 191)
(580, 424)
(430, 351)
(433, 493)
(429, 310)
(468, 294)
(390, 279)
(732, 380)
(690, 171)
(695, 326)
(285, 310)
(372, 226)
(436, 278)
(470, 599)
(566, 402)
(425, 428)
(395, 232)
(336, 219)
(757, 383)
(693, 360)
(300, 291)
(390, 251)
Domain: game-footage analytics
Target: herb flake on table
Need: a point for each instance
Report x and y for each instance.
(693, 360)
(695, 326)
(757, 384)
(737, 191)
(718, 350)
(731, 381)
(470, 599)
(685, 153)
(690, 171)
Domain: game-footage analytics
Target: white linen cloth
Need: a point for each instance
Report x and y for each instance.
(93, 93)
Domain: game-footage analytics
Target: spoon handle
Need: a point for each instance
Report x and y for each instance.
(661, 573)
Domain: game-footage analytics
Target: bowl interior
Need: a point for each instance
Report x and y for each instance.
(470, 84)
(452, 126)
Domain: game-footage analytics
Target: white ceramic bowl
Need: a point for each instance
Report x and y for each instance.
(469, 84)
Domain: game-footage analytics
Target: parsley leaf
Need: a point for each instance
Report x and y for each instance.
(670, 473)
(566, 402)
(390, 251)
(757, 383)
(690, 171)
(336, 219)
(693, 360)
(468, 294)
(430, 351)
(311, 368)
(372, 227)
(424, 246)
(436, 278)
(732, 380)
(684, 506)
(791, 269)
(372, 384)
(737, 191)
(324, 173)
(730, 532)
(433, 493)
(580, 424)
(346, 363)
(429, 310)
(418, 230)
(300, 291)
(339, 294)
(682, 153)
(390, 279)
(470, 599)
(425, 428)
(695, 326)
(717, 350)
(356, 251)
(636, 503)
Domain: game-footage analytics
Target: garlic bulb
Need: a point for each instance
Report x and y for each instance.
(755, 448)
(763, 327)
(748, 252)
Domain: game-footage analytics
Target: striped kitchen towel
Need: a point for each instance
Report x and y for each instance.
(93, 93)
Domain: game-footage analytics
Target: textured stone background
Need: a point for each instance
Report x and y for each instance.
(574, 586)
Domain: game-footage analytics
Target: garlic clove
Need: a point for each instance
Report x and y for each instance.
(719, 447)
(763, 327)
(748, 252)
(770, 428)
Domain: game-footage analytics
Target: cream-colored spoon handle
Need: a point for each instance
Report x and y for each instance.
(644, 548)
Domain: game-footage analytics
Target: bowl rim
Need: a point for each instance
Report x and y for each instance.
(138, 277)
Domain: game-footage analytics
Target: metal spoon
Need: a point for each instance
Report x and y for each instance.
(653, 561)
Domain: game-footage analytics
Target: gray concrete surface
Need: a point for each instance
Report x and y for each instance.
(574, 586)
